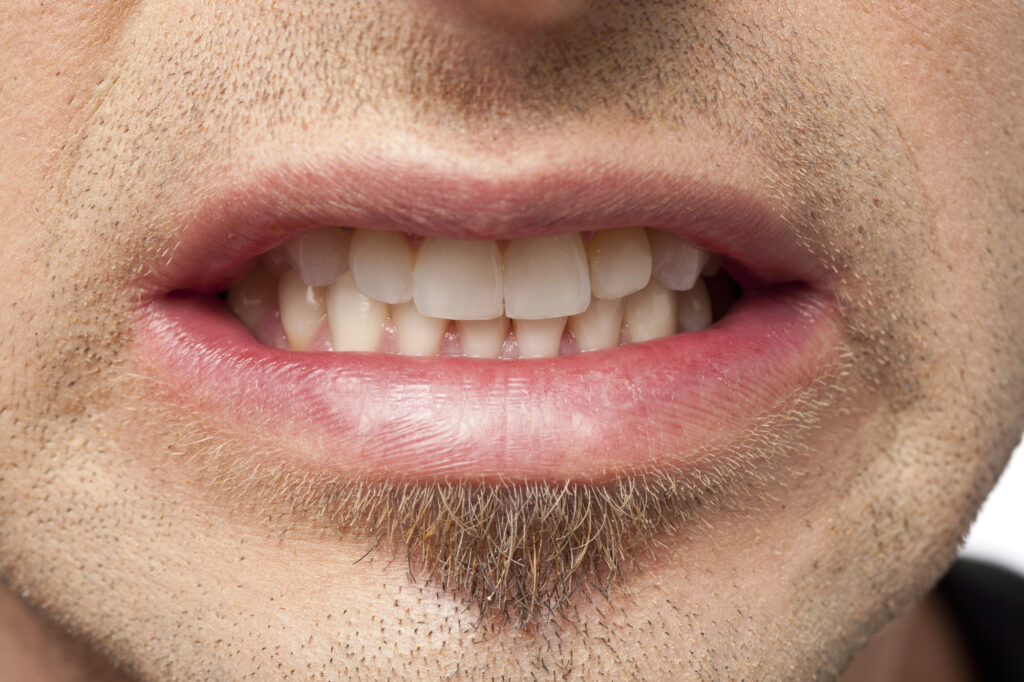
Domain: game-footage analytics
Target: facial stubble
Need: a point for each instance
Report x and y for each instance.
(521, 554)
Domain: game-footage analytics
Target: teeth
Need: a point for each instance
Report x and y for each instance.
(676, 264)
(620, 262)
(417, 333)
(319, 255)
(254, 297)
(539, 338)
(302, 310)
(381, 262)
(600, 326)
(546, 277)
(483, 338)
(650, 313)
(628, 284)
(356, 322)
(458, 279)
(276, 261)
(694, 308)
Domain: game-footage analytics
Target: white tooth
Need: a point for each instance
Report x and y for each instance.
(546, 277)
(483, 338)
(620, 261)
(539, 338)
(695, 308)
(458, 279)
(599, 326)
(355, 321)
(417, 333)
(381, 262)
(302, 310)
(319, 255)
(650, 313)
(254, 296)
(676, 264)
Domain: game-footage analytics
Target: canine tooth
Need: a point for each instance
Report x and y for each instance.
(417, 333)
(356, 322)
(254, 296)
(539, 338)
(599, 326)
(650, 313)
(381, 263)
(319, 255)
(458, 279)
(302, 310)
(675, 263)
(694, 308)
(546, 277)
(483, 338)
(620, 262)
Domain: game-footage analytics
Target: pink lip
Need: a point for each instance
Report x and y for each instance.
(585, 417)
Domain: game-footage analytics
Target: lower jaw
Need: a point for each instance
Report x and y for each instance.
(665, 404)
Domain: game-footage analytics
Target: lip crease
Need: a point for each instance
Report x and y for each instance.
(586, 417)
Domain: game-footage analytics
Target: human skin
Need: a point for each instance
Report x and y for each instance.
(889, 135)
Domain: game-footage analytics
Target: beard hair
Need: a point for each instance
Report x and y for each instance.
(520, 553)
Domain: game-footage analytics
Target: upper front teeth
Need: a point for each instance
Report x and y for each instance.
(319, 256)
(381, 263)
(620, 262)
(546, 277)
(459, 279)
(374, 292)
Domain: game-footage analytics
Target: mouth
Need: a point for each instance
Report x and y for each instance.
(409, 322)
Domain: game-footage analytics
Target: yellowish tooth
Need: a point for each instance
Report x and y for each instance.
(302, 310)
(546, 277)
(381, 262)
(254, 296)
(539, 338)
(694, 308)
(650, 313)
(599, 326)
(356, 322)
(458, 279)
(319, 255)
(417, 333)
(620, 262)
(483, 338)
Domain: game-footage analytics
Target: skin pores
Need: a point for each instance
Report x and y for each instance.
(889, 137)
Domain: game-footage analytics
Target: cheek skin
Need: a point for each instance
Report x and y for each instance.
(867, 511)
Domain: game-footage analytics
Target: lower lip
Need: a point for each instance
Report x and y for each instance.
(586, 417)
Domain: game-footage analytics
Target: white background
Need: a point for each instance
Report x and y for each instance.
(998, 534)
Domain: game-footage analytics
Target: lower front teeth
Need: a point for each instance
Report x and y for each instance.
(356, 321)
(599, 326)
(302, 310)
(483, 338)
(539, 338)
(371, 290)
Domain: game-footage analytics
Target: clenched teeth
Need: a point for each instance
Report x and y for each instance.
(338, 289)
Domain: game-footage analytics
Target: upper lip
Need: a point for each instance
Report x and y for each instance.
(584, 417)
(260, 207)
